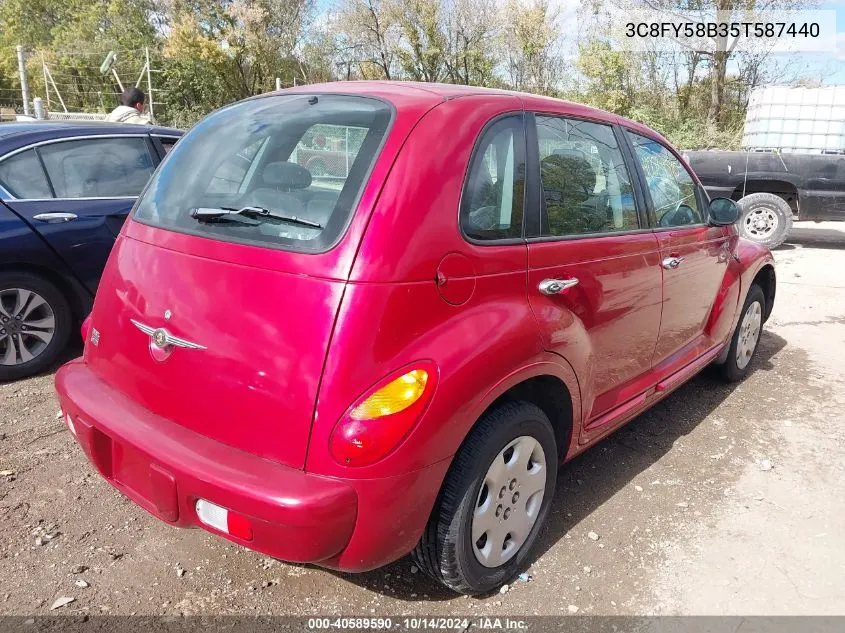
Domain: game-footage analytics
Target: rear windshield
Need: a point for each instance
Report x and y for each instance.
(284, 171)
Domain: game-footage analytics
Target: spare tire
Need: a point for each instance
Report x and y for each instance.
(764, 218)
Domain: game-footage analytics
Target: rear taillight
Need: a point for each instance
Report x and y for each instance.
(224, 520)
(383, 417)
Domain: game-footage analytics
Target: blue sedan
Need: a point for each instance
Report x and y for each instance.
(65, 191)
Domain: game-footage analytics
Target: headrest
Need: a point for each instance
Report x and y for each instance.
(286, 175)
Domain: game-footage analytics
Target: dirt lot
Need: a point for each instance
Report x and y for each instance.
(722, 500)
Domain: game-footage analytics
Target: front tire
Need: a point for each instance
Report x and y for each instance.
(764, 218)
(746, 337)
(493, 502)
(35, 324)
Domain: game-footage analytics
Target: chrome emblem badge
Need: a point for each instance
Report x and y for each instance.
(160, 337)
(162, 342)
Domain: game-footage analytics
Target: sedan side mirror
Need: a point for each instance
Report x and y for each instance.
(723, 212)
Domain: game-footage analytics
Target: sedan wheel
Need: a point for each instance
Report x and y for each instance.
(35, 324)
(27, 325)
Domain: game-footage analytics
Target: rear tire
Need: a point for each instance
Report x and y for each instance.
(27, 336)
(764, 218)
(507, 438)
(746, 337)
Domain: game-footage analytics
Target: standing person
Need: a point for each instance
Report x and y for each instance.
(131, 108)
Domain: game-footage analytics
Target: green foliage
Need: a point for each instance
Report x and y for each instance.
(423, 59)
(208, 53)
(529, 37)
(607, 74)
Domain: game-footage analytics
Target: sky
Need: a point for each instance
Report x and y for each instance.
(826, 67)
(831, 67)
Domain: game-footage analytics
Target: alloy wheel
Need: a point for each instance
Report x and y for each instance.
(27, 325)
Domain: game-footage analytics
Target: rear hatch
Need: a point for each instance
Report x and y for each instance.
(216, 310)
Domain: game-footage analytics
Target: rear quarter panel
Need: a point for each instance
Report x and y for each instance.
(392, 313)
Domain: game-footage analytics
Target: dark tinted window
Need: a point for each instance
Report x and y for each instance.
(98, 168)
(22, 176)
(586, 186)
(168, 143)
(670, 185)
(492, 201)
(298, 156)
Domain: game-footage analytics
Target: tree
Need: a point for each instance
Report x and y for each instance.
(529, 41)
(722, 49)
(370, 31)
(470, 32)
(197, 71)
(422, 53)
(607, 74)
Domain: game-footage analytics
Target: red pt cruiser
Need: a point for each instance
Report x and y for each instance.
(342, 371)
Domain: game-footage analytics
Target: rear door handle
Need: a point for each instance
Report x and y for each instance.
(54, 218)
(556, 286)
(671, 263)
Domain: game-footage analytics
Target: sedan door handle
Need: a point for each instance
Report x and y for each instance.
(671, 263)
(556, 286)
(54, 218)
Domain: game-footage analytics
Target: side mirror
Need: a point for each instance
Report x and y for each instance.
(723, 212)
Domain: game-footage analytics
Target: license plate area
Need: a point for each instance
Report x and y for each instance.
(131, 471)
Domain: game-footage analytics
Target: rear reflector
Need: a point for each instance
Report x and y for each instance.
(224, 520)
(70, 425)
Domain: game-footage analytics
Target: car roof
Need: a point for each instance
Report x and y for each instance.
(44, 130)
(434, 92)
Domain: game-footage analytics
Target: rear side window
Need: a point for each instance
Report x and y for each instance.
(284, 171)
(22, 176)
(492, 201)
(98, 168)
(586, 186)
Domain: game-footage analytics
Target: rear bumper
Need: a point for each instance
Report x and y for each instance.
(165, 468)
(346, 524)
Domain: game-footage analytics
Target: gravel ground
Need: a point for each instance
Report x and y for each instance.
(721, 500)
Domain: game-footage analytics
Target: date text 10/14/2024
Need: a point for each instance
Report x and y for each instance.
(418, 624)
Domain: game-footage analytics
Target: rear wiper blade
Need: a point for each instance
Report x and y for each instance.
(206, 213)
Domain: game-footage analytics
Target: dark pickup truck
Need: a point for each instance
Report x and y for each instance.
(774, 189)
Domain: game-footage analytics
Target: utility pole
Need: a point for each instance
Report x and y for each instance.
(149, 84)
(24, 84)
(46, 86)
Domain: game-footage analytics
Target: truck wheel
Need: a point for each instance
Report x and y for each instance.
(35, 324)
(764, 218)
(493, 502)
